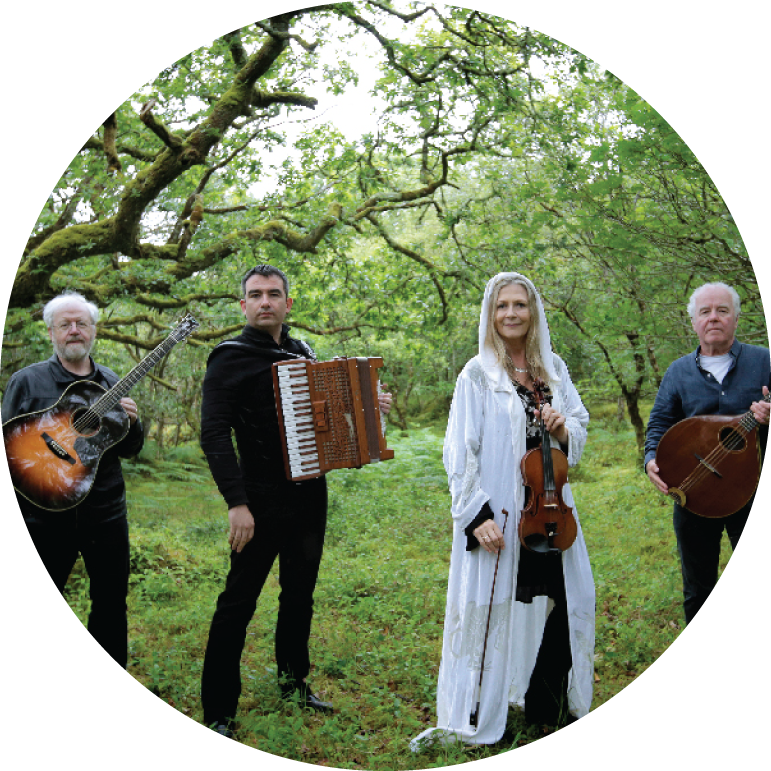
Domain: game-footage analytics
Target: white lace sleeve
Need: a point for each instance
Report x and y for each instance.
(462, 444)
(576, 415)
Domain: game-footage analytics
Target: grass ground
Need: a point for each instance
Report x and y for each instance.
(379, 607)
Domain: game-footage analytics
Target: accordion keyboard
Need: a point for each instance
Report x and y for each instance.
(329, 417)
(298, 420)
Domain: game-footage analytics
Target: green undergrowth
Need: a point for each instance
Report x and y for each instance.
(379, 602)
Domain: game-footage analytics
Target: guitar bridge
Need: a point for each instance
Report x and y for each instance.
(58, 450)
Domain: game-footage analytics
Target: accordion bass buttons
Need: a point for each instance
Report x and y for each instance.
(320, 415)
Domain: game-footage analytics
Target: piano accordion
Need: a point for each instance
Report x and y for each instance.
(328, 415)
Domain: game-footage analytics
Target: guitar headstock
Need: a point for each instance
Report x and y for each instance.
(186, 327)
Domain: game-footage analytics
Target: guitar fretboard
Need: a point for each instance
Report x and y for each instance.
(104, 404)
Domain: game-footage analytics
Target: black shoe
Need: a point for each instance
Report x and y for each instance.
(316, 704)
(306, 698)
(223, 730)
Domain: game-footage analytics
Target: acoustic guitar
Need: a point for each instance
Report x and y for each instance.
(54, 453)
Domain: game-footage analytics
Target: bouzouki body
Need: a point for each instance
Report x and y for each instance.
(711, 465)
(51, 463)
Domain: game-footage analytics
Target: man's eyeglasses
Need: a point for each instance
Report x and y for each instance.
(63, 326)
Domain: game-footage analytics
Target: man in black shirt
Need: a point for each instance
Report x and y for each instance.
(269, 516)
(97, 527)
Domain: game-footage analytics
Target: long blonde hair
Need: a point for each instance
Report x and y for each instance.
(532, 340)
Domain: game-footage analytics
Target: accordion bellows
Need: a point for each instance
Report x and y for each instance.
(328, 415)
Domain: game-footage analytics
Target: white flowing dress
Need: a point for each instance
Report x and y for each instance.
(483, 446)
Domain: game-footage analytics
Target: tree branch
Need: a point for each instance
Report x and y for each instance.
(171, 141)
(93, 143)
(285, 36)
(110, 127)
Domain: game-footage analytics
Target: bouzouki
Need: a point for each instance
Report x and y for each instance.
(711, 462)
(53, 454)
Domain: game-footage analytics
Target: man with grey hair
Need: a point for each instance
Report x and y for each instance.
(97, 527)
(721, 377)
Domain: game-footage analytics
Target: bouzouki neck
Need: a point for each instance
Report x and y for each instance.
(748, 421)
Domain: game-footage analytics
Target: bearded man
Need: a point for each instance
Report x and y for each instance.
(97, 527)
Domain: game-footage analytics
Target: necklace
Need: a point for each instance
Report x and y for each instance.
(525, 371)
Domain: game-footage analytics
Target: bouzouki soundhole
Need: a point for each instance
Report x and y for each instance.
(731, 440)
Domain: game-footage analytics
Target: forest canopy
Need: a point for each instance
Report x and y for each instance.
(495, 147)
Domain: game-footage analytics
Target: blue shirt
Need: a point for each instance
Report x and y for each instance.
(687, 390)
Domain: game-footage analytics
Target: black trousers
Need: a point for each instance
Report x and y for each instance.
(104, 545)
(289, 524)
(546, 700)
(698, 543)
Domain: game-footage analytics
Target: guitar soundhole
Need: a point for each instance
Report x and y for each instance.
(85, 422)
(732, 440)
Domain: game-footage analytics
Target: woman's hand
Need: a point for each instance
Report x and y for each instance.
(554, 423)
(489, 536)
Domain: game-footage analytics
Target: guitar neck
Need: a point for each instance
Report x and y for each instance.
(105, 403)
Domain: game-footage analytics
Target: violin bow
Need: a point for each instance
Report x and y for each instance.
(474, 716)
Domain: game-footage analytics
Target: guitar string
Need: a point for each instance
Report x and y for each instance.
(93, 414)
(714, 458)
(733, 442)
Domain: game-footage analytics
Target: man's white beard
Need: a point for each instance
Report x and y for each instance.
(73, 352)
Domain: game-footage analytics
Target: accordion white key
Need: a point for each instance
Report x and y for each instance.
(328, 415)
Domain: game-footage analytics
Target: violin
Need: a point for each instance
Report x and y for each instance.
(547, 524)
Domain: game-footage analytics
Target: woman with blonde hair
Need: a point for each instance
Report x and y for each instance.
(538, 632)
